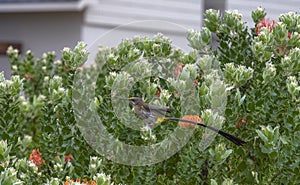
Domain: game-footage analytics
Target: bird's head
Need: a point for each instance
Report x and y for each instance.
(135, 100)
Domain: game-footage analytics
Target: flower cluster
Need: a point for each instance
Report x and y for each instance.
(278, 29)
(78, 181)
(265, 23)
(190, 118)
(269, 24)
(36, 158)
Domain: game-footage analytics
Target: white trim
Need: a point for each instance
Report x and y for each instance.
(43, 6)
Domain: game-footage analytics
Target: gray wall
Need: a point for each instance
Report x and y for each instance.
(40, 32)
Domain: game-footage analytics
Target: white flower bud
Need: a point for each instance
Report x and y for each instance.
(14, 67)
(46, 78)
(57, 62)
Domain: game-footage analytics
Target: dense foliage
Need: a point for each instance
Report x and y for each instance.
(248, 86)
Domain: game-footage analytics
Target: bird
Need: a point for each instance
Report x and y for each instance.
(152, 114)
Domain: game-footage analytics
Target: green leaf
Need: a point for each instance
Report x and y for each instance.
(262, 136)
(226, 154)
(213, 182)
(242, 100)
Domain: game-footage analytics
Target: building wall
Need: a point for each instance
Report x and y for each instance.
(40, 32)
(106, 15)
(109, 37)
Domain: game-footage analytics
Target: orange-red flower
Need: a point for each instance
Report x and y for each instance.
(158, 92)
(85, 181)
(28, 76)
(92, 183)
(36, 158)
(68, 157)
(190, 118)
(68, 182)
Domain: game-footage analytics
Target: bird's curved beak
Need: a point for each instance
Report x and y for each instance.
(128, 99)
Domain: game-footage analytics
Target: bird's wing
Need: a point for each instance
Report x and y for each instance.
(159, 110)
(149, 117)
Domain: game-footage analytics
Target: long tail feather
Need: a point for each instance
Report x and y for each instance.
(232, 138)
(228, 136)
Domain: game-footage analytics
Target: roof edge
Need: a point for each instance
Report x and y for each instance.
(44, 6)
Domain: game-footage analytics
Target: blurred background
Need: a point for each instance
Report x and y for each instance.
(51, 25)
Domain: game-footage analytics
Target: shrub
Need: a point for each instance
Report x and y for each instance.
(248, 86)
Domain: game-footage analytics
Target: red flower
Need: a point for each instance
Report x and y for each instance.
(243, 122)
(265, 24)
(158, 92)
(270, 25)
(68, 157)
(178, 69)
(195, 82)
(35, 157)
